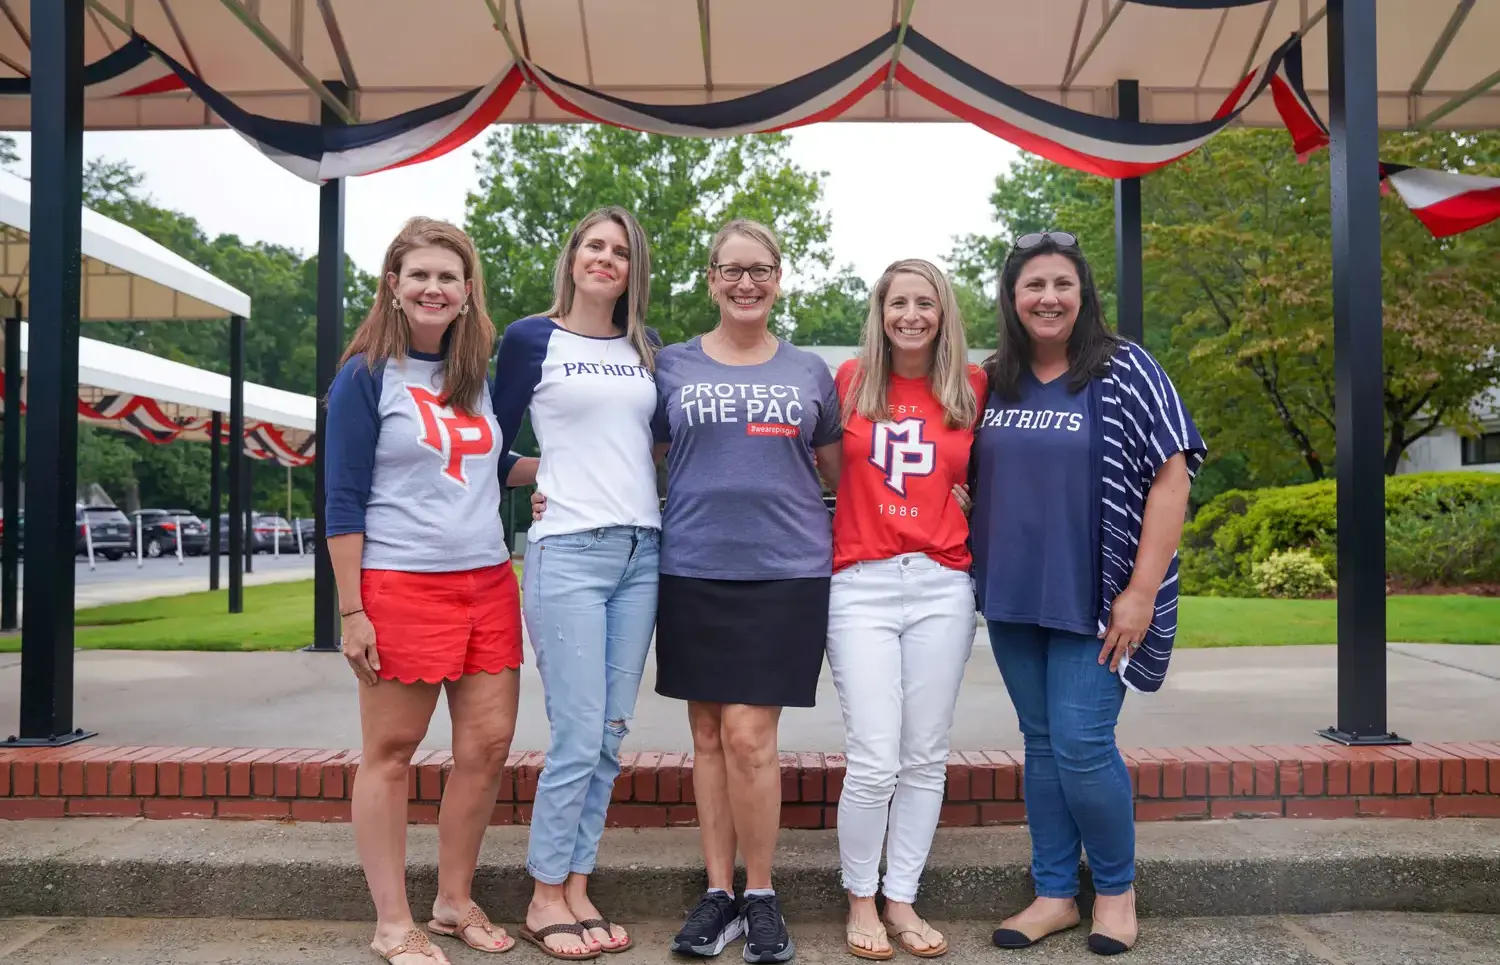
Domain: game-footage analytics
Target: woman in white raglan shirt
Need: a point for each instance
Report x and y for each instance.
(583, 372)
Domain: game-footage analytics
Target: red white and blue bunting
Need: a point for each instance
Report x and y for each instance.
(145, 418)
(131, 71)
(1105, 146)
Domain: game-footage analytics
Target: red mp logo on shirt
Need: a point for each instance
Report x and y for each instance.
(451, 433)
(897, 449)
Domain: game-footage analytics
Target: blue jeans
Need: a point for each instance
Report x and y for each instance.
(589, 600)
(1077, 786)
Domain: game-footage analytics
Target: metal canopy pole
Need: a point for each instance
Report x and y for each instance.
(10, 554)
(215, 538)
(329, 340)
(1358, 375)
(52, 360)
(1130, 308)
(236, 514)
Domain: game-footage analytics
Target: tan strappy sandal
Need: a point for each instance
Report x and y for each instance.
(877, 934)
(414, 942)
(473, 918)
(924, 932)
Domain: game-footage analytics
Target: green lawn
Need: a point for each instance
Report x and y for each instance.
(1223, 622)
(279, 617)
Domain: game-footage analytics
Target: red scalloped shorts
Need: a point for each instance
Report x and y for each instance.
(440, 626)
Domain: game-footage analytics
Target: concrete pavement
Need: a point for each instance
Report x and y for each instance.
(122, 581)
(1357, 939)
(1242, 695)
(104, 867)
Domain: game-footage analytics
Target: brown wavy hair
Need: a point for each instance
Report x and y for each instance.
(386, 334)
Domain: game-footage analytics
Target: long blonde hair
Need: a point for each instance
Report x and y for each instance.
(386, 334)
(629, 313)
(949, 375)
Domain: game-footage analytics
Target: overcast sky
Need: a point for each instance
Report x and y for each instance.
(893, 190)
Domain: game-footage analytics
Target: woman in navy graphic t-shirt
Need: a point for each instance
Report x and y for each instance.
(1080, 474)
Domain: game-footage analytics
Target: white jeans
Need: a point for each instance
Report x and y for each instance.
(899, 634)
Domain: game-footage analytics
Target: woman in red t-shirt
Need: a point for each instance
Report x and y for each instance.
(901, 613)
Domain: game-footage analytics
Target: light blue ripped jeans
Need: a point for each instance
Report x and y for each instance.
(589, 600)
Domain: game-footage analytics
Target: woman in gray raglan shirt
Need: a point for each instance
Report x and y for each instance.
(746, 557)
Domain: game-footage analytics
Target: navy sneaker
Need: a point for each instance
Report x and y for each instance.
(712, 924)
(766, 937)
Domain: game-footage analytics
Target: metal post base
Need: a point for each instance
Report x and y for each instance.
(314, 648)
(1361, 740)
(73, 738)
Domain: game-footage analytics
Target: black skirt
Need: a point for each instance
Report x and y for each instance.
(741, 641)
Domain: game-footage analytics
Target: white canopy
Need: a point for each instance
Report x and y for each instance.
(266, 55)
(125, 276)
(182, 391)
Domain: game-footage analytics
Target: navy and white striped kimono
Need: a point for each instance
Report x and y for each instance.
(1142, 423)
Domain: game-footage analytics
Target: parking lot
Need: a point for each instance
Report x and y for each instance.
(124, 580)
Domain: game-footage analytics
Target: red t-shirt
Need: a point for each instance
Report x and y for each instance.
(896, 485)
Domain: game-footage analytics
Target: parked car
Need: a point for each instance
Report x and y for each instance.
(266, 532)
(107, 527)
(308, 527)
(158, 533)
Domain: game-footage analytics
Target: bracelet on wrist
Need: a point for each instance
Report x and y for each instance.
(352, 612)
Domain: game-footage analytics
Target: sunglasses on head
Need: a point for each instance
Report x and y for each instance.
(1063, 239)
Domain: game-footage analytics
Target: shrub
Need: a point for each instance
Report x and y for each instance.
(1424, 512)
(1292, 575)
(1428, 544)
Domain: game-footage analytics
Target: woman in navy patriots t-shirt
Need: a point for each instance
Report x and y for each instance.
(584, 373)
(1080, 473)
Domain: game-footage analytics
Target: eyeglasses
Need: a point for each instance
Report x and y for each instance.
(1063, 239)
(736, 272)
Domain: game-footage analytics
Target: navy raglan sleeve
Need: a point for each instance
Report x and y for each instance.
(518, 369)
(1161, 416)
(349, 445)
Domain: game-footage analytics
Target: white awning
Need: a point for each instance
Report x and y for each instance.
(182, 390)
(125, 275)
(262, 53)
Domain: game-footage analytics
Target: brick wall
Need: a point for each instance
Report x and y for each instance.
(655, 789)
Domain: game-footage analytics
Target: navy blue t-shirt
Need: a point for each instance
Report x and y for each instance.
(1036, 509)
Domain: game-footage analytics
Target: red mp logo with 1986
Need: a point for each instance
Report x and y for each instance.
(451, 433)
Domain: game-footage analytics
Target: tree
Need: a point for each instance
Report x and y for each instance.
(537, 182)
(279, 344)
(831, 315)
(1238, 301)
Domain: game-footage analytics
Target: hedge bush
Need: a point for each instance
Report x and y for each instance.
(1292, 575)
(1442, 529)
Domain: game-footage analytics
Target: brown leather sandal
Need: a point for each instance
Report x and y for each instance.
(414, 942)
(539, 939)
(473, 918)
(605, 925)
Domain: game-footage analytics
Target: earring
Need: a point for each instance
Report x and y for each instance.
(396, 304)
(465, 309)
